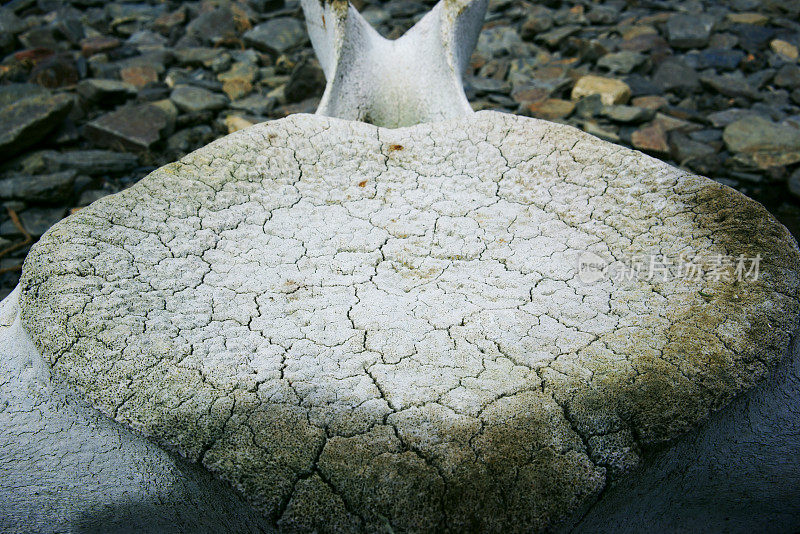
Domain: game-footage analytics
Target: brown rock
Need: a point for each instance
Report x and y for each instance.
(530, 94)
(167, 21)
(650, 102)
(139, 75)
(651, 138)
(610, 90)
(747, 18)
(55, 71)
(637, 31)
(550, 108)
(784, 48)
(238, 81)
(236, 123)
(96, 45)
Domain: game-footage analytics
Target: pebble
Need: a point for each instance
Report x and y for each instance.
(785, 49)
(730, 85)
(139, 76)
(675, 75)
(715, 58)
(612, 91)
(234, 123)
(689, 31)
(762, 142)
(92, 162)
(306, 81)
(549, 109)
(756, 19)
(193, 99)
(788, 76)
(652, 138)
(627, 114)
(621, 62)
(35, 220)
(650, 102)
(277, 35)
(106, 92)
(46, 188)
(237, 82)
(134, 127)
(27, 119)
(794, 183)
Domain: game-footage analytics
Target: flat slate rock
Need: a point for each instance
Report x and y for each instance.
(133, 127)
(425, 328)
(26, 120)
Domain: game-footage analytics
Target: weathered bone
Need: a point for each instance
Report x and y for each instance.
(410, 343)
(416, 78)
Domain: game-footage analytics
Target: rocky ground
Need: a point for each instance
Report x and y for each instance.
(95, 95)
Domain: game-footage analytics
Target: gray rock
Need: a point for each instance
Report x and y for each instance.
(499, 41)
(41, 37)
(763, 143)
(689, 31)
(674, 74)
(92, 162)
(92, 195)
(135, 127)
(720, 59)
(146, 40)
(699, 156)
(483, 85)
(539, 21)
(589, 106)
(10, 23)
(277, 35)
(195, 56)
(555, 36)
(720, 119)
(627, 114)
(213, 26)
(621, 62)
(188, 139)
(47, 188)
(107, 92)
(257, 103)
(603, 14)
(307, 80)
(788, 76)
(794, 183)
(9, 94)
(25, 121)
(194, 99)
(730, 85)
(36, 221)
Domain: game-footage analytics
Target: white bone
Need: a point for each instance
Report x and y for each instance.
(392, 83)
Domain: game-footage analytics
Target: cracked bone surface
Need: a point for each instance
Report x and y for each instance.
(392, 83)
(361, 328)
(364, 329)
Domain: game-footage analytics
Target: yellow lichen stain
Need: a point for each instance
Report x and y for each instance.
(362, 183)
(395, 148)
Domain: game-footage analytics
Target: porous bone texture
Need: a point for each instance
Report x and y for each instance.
(363, 328)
